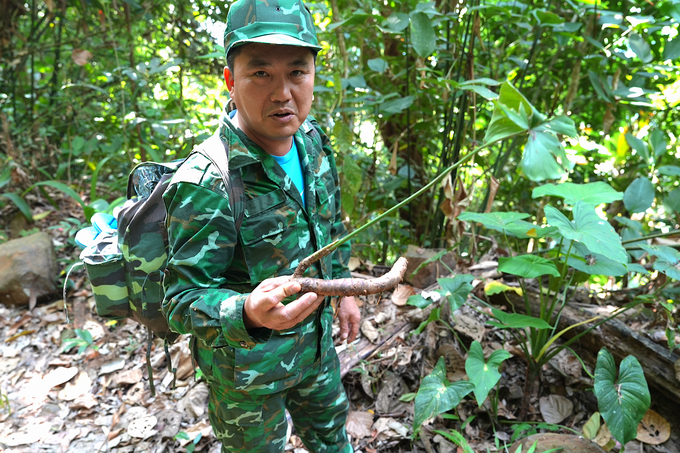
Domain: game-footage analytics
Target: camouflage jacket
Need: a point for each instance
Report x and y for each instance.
(212, 267)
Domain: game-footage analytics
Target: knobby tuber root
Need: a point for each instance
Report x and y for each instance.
(355, 287)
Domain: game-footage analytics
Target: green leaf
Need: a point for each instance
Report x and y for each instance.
(639, 195)
(592, 193)
(559, 125)
(62, 187)
(668, 269)
(498, 221)
(436, 395)
(671, 50)
(20, 203)
(422, 34)
(377, 64)
(527, 266)
(496, 287)
(640, 147)
(657, 139)
(583, 260)
(457, 438)
(672, 201)
(588, 228)
(639, 45)
(501, 126)
(524, 230)
(669, 170)
(5, 176)
(484, 375)
(623, 401)
(480, 90)
(544, 157)
(516, 320)
(629, 223)
(456, 289)
(601, 87)
(635, 267)
(395, 23)
(592, 426)
(353, 174)
(662, 252)
(397, 105)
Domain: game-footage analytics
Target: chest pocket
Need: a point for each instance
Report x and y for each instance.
(267, 234)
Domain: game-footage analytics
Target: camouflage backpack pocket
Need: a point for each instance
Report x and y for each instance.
(106, 271)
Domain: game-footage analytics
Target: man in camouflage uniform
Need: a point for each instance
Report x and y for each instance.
(262, 348)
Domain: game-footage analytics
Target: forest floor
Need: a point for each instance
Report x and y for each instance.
(99, 399)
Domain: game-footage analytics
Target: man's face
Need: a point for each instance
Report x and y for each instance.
(272, 87)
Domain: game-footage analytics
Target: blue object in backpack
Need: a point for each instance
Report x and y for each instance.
(104, 222)
(86, 237)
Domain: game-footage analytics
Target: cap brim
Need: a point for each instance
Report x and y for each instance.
(277, 39)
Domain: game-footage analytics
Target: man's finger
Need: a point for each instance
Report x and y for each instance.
(303, 307)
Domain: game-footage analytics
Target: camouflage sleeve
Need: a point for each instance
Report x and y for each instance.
(202, 237)
(338, 230)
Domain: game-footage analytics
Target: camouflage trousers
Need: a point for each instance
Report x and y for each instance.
(297, 370)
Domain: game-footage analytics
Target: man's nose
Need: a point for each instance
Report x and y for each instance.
(281, 91)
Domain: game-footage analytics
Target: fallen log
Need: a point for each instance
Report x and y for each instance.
(657, 363)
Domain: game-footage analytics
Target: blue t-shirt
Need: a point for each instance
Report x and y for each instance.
(290, 162)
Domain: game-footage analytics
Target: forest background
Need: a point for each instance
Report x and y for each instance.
(404, 89)
(529, 94)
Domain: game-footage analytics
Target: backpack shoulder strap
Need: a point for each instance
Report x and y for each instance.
(216, 151)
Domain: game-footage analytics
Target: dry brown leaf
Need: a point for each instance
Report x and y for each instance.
(568, 363)
(142, 427)
(455, 363)
(392, 388)
(653, 429)
(369, 331)
(470, 327)
(87, 401)
(195, 402)
(555, 408)
(81, 57)
(389, 428)
(359, 424)
(59, 376)
(135, 395)
(401, 294)
(73, 390)
(127, 377)
(603, 435)
(32, 433)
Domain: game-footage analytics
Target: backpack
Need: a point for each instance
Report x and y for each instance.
(126, 267)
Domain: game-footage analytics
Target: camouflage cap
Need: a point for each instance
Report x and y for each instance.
(283, 22)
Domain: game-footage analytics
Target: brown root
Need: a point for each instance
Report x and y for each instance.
(355, 287)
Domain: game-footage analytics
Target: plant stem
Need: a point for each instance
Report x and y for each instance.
(651, 236)
(325, 251)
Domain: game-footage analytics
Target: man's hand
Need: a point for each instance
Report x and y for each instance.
(349, 316)
(263, 307)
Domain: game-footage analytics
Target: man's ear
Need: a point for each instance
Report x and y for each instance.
(228, 78)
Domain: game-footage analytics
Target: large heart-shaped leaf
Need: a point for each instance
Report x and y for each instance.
(484, 374)
(639, 195)
(436, 395)
(456, 289)
(588, 228)
(592, 193)
(498, 221)
(623, 401)
(584, 260)
(558, 125)
(422, 34)
(516, 321)
(544, 157)
(527, 266)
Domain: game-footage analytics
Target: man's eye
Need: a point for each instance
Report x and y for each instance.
(297, 73)
(260, 74)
